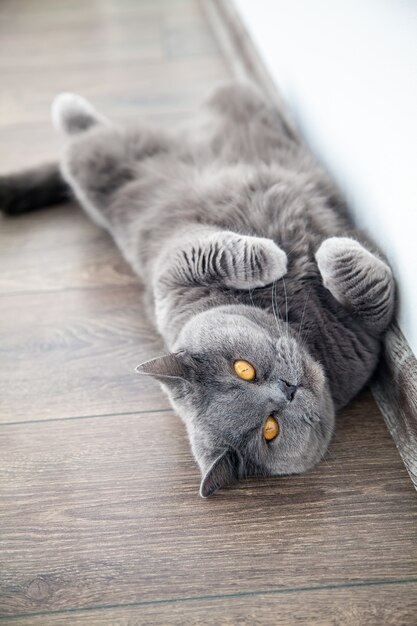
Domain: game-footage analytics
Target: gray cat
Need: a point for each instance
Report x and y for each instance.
(271, 305)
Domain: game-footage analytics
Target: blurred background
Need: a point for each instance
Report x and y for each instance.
(151, 58)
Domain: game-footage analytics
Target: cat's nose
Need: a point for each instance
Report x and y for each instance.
(279, 394)
(287, 389)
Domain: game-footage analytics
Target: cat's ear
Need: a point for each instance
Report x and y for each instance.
(169, 366)
(223, 472)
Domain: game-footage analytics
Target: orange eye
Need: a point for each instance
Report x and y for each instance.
(244, 370)
(271, 428)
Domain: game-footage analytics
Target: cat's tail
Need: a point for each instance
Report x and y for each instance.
(44, 186)
(32, 189)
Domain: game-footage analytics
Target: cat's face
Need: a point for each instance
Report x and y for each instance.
(278, 419)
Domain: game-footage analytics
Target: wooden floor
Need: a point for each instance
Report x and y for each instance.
(100, 519)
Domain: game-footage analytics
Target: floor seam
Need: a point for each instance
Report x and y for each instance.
(83, 417)
(237, 594)
(30, 292)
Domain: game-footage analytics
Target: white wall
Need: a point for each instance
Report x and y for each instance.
(348, 69)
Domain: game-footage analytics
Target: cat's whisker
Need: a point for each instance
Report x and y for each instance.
(281, 319)
(292, 250)
(303, 313)
(324, 460)
(286, 304)
(334, 437)
(251, 296)
(273, 307)
(303, 338)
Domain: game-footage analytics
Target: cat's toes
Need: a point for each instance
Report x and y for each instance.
(273, 259)
(257, 262)
(333, 254)
(336, 260)
(336, 254)
(347, 269)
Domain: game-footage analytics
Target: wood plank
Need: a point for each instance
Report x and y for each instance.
(79, 38)
(395, 390)
(137, 31)
(358, 606)
(22, 10)
(58, 248)
(73, 352)
(174, 83)
(165, 45)
(28, 144)
(106, 511)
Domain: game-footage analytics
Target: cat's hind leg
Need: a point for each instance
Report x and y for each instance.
(46, 185)
(94, 156)
(244, 104)
(100, 157)
(358, 279)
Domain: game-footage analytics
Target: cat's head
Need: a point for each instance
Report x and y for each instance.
(276, 419)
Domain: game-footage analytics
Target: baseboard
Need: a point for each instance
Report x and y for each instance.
(395, 391)
(240, 52)
(236, 44)
(395, 385)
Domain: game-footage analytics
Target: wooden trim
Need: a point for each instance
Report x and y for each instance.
(236, 44)
(395, 386)
(240, 51)
(395, 391)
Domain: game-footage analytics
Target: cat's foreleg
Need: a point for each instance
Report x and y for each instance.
(212, 257)
(358, 279)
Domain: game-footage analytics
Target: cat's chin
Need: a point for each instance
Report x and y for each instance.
(300, 458)
(298, 463)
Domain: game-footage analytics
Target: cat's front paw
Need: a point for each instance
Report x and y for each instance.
(357, 279)
(255, 262)
(334, 257)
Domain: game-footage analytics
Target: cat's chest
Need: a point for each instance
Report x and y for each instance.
(343, 346)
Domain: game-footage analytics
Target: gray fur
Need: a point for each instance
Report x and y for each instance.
(247, 252)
